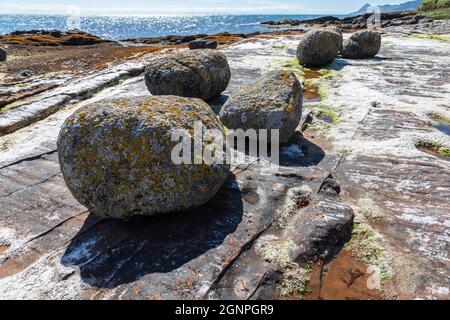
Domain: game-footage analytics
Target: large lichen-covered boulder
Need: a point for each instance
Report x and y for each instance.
(203, 74)
(362, 45)
(115, 156)
(273, 101)
(3, 54)
(318, 47)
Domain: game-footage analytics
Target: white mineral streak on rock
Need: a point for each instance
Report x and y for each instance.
(399, 83)
(384, 105)
(441, 292)
(261, 56)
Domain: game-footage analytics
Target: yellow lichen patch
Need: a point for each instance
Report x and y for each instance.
(286, 77)
(289, 107)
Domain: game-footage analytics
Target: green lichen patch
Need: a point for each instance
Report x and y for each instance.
(295, 276)
(308, 73)
(438, 37)
(273, 249)
(292, 64)
(328, 74)
(439, 118)
(434, 148)
(326, 116)
(280, 47)
(316, 81)
(296, 280)
(368, 209)
(321, 84)
(368, 247)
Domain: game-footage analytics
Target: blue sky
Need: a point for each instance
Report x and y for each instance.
(187, 6)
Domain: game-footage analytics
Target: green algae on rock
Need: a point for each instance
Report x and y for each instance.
(434, 148)
(115, 156)
(203, 74)
(274, 101)
(438, 37)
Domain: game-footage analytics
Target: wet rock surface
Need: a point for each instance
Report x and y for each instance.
(201, 74)
(273, 101)
(116, 156)
(270, 221)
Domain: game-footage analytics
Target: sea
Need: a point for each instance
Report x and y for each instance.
(119, 27)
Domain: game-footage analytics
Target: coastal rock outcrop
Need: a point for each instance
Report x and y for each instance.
(115, 156)
(362, 45)
(51, 38)
(202, 44)
(397, 18)
(273, 101)
(201, 74)
(3, 55)
(318, 47)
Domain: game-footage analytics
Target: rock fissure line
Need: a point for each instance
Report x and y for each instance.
(31, 185)
(36, 157)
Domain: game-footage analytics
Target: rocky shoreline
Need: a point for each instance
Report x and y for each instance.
(393, 19)
(352, 176)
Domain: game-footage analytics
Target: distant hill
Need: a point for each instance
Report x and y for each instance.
(407, 6)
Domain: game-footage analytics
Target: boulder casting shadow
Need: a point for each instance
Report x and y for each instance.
(110, 252)
(300, 152)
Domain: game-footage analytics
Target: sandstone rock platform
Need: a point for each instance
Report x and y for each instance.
(337, 182)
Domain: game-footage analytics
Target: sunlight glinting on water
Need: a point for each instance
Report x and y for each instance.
(121, 27)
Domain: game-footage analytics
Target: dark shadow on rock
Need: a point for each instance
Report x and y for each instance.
(300, 152)
(379, 59)
(112, 252)
(338, 64)
(217, 103)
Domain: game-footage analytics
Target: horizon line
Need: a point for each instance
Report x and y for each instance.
(177, 14)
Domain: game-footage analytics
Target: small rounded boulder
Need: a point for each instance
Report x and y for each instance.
(318, 47)
(202, 44)
(203, 74)
(362, 45)
(115, 156)
(273, 101)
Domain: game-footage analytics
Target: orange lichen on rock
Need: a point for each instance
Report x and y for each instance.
(51, 38)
